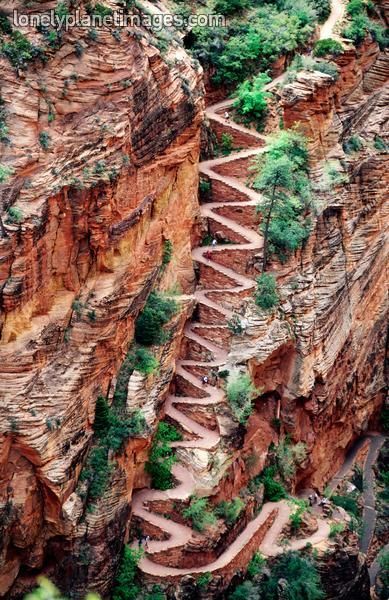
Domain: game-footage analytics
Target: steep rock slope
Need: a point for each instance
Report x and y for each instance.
(96, 199)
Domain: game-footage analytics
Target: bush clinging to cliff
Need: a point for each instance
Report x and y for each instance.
(157, 312)
(240, 394)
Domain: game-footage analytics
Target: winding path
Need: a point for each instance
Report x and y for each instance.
(216, 310)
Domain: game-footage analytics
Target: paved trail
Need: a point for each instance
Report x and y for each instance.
(216, 310)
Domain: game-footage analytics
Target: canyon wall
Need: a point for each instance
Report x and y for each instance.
(320, 362)
(116, 178)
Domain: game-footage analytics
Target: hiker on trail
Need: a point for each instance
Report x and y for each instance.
(214, 242)
(315, 498)
(205, 380)
(208, 255)
(227, 115)
(147, 542)
(310, 499)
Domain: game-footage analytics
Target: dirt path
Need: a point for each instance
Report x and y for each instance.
(179, 535)
(338, 10)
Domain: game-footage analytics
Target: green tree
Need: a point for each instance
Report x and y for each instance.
(126, 586)
(157, 312)
(251, 101)
(240, 394)
(266, 296)
(199, 513)
(281, 177)
(301, 576)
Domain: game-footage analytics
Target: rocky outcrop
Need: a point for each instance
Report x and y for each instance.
(117, 179)
(321, 359)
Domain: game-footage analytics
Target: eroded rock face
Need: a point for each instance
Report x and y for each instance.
(119, 177)
(321, 364)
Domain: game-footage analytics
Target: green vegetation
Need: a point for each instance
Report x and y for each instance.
(349, 503)
(204, 580)
(296, 518)
(380, 144)
(19, 50)
(385, 417)
(162, 457)
(274, 489)
(251, 100)
(47, 591)
(240, 394)
(266, 296)
(14, 215)
(383, 560)
(144, 361)
(199, 513)
(111, 430)
(5, 172)
(167, 253)
(98, 10)
(126, 586)
(333, 175)
(251, 42)
(288, 457)
(205, 189)
(328, 46)
(255, 566)
(4, 139)
(226, 145)
(281, 175)
(149, 327)
(299, 573)
(353, 144)
(230, 511)
(306, 63)
(360, 25)
(44, 140)
(336, 529)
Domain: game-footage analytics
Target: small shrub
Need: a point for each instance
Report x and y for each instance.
(205, 188)
(240, 394)
(98, 10)
(14, 215)
(380, 144)
(199, 514)
(335, 529)
(223, 374)
(5, 172)
(288, 457)
(349, 503)
(383, 561)
(266, 296)
(162, 457)
(256, 566)
(274, 490)
(93, 35)
(327, 46)
(144, 361)
(226, 144)
(251, 101)
(353, 144)
(357, 478)
(44, 140)
(296, 518)
(230, 511)
(20, 51)
(167, 252)
(204, 580)
(157, 312)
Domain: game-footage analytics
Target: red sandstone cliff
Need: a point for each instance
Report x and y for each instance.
(118, 179)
